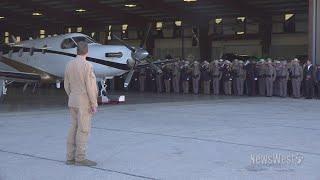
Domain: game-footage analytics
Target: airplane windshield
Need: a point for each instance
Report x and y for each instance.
(83, 38)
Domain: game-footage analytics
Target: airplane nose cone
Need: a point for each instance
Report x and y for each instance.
(140, 54)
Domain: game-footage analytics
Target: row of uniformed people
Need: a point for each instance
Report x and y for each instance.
(266, 78)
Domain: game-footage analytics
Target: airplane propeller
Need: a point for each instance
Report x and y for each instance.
(138, 54)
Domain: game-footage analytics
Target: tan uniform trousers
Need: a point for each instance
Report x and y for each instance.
(78, 133)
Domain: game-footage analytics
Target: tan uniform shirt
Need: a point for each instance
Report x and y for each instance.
(80, 84)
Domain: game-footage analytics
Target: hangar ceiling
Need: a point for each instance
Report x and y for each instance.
(95, 13)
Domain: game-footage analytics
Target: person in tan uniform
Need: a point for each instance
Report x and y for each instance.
(270, 77)
(216, 76)
(195, 77)
(81, 88)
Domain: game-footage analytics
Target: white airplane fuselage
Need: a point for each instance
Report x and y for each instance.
(47, 57)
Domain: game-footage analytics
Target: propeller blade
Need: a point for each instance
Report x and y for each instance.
(143, 41)
(155, 67)
(14, 39)
(124, 43)
(128, 78)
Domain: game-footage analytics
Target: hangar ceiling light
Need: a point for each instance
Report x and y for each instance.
(288, 16)
(241, 19)
(178, 23)
(130, 5)
(36, 14)
(2, 17)
(80, 10)
(218, 20)
(189, 0)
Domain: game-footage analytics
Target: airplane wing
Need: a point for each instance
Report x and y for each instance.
(19, 76)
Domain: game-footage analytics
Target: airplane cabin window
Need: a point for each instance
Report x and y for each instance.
(83, 38)
(68, 44)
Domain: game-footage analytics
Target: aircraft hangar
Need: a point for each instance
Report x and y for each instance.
(187, 89)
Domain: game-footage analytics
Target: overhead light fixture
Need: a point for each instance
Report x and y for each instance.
(130, 5)
(178, 23)
(288, 16)
(80, 10)
(2, 17)
(241, 19)
(218, 20)
(159, 25)
(79, 29)
(189, 0)
(36, 14)
(240, 33)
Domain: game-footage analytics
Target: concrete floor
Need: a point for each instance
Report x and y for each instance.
(164, 137)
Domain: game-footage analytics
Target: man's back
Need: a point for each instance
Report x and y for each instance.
(80, 83)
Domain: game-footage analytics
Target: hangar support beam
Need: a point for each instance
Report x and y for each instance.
(108, 11)
(204, 43)
(314, 31)
(51, 15)
(179, 13)
(265, 31)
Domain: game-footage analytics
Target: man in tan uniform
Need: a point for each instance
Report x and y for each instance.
(81, 88)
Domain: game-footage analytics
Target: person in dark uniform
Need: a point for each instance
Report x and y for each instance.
(159, 81)
(234, 67)
(150, 80)
(308, 77)
(261, 68)
(227, 78)
(317, 78)
(142, 79)
(251, 77)
(206, 77)
(185, 77)
(167, 76)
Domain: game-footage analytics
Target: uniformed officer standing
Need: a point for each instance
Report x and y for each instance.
(270, 78)
(142, 79)
(176, 77)
(159, 79)
(185, 77)
(251, 77)
(195, 77)
(261, 68)
(205, 75)
(317, 78)
(283, 79)
(240, 78)
(276, 85)
(234, 67)
(308, 76)
(81, 88)
(167, 76)
(227, 78)
(296, 78)
(216, 76)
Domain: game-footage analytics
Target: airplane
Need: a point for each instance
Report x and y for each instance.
(44, 60)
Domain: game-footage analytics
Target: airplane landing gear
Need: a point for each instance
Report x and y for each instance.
(104, 99)
(3, 89)
(103, 88)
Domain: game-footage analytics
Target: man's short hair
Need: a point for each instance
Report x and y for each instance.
(82, 48)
